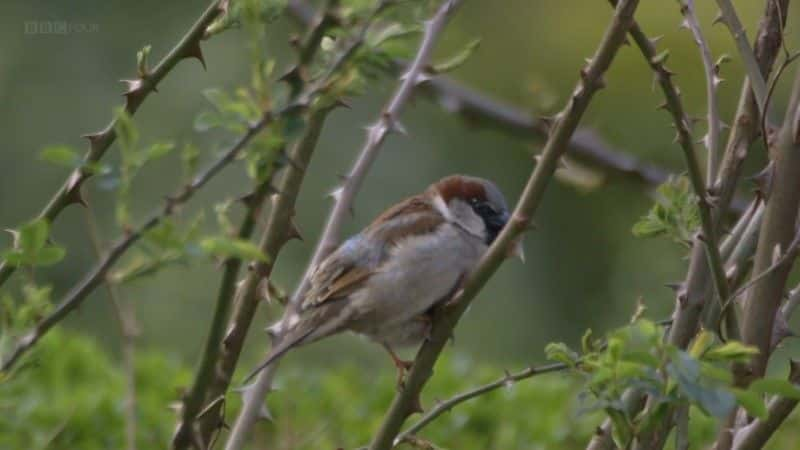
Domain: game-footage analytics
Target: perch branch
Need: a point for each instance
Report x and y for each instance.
(407, 400)
(138, 90)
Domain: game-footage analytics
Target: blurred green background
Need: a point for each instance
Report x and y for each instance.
(584, 269)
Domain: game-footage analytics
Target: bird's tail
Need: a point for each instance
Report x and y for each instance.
(281, 347)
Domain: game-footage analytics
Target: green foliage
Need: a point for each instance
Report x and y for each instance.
(71, 396)
(637, 356)
(674, 215)
(31, 247)
(232, 248)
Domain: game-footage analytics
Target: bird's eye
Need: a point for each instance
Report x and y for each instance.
(484, 210)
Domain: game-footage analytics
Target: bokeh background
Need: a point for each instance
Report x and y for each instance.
(584, 268)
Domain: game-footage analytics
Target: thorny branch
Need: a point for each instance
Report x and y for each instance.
(207, 385)
(137, 92)
(407, 401)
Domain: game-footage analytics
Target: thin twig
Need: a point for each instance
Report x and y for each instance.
(407, 401)
(97, 274)
(729, 17)
(129, 331)
(711, 69)
(507, 380)
(138, 90)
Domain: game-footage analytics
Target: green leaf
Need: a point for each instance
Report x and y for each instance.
(776, 386)
(232, 248)
(731, 351)
(158, 150)
(141, 60)
(33, 236)
(458, 59)
(206, 120)
(621, 432)
(559, 351)
(752, 402)
(701, 344)
(712, 399)
(50, 255)
(61, 155)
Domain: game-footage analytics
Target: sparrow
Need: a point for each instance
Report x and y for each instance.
(385, 281)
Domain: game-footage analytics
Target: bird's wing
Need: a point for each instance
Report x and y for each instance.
(347, 268)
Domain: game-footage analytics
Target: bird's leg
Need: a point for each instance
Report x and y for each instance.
(402, 366)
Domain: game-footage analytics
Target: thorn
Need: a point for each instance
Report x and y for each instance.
(94, 139)
(422, 78)
(655, 40)
(394, 125)
(195, 51)
(336, 194)
(675, 286)
(342, 103)
(294, 231)
(794, 370)
(663, 106)
(291, 76)
(718, 19)
(684, 24)
(132, 86)
(264, 414)
(626, 42)
(76, 196)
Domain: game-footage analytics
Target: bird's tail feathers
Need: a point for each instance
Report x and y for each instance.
(279, 350)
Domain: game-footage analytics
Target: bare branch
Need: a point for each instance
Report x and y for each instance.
(713, 80)
(69, 193)
(779, 229)
(731, 20)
